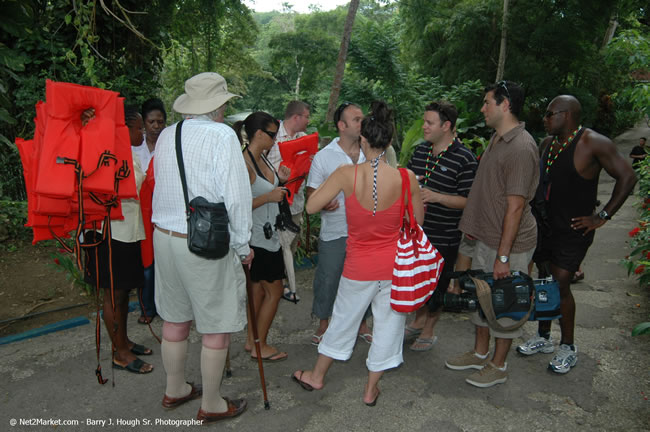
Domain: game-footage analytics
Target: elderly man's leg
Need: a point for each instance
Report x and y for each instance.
(174, 353)
(213, 360)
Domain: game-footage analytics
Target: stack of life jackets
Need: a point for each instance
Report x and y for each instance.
(76, 176)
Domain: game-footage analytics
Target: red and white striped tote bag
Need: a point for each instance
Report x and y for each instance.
(418, 264)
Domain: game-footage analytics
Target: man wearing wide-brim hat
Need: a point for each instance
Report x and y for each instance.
(189, 287)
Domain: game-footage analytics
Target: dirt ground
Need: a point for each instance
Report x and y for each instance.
(30, 284)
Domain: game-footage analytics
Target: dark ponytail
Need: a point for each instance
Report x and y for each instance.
(254, 122)
(377, 127)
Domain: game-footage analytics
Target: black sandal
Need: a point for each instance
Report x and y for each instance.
(142, 350)
(134, 367)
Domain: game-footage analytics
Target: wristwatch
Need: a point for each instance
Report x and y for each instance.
(503, 258)
(604, 215)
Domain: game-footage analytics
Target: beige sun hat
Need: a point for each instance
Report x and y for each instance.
(204, 93)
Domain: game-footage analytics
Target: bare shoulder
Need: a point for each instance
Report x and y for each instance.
(344, 170)
(595, 141)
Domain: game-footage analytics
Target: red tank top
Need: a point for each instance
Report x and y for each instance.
(372, 240)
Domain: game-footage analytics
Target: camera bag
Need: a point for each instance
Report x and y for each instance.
(207, 223)
(517, 297)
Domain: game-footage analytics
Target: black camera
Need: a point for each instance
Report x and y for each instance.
(268, 230)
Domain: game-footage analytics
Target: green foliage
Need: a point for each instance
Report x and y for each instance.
(302, 253)
(629, 54)
(638, 261)
(13, 216)
(552, 48)
(65, 263)
(470, 126)
(641, 329)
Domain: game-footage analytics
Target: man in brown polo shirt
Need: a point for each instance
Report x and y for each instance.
(498, 216)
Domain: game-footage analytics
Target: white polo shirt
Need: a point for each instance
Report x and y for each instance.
(326, 161)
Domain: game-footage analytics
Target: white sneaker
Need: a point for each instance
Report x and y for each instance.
(564, 360)
(535, 345)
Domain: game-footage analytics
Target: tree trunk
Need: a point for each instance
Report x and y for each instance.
(300, 71)
(340, 62)
(502, 50)
(611, 29)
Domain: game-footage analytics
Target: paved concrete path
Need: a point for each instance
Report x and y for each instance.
(52, 377)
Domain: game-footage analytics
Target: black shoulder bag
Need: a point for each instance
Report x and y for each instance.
(207, 223)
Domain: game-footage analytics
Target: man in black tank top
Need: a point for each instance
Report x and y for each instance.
(570, 165)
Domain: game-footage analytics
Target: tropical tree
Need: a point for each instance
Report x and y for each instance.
(340, 61)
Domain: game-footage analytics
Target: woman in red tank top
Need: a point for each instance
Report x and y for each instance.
(373, 198)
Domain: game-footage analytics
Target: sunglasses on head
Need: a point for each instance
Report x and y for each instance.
(503, 85)
(339, 111)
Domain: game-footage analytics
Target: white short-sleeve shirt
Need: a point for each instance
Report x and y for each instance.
(326, 161)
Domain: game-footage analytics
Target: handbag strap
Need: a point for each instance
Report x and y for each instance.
(406, 187)
(181, 166)
(484, 294)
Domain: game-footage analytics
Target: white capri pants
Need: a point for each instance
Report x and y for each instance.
(351, 302)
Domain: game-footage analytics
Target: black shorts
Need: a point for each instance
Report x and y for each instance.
(449, 253)
(267, 266)
(565, 251)
(126, 264)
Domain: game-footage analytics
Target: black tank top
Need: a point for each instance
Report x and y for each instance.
(568, 194)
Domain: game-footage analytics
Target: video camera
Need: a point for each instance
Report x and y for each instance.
(511, 296)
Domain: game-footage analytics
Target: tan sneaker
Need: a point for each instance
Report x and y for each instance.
(469, 360)
(488, 376)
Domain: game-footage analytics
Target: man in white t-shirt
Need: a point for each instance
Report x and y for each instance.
(334, 228)
(294, 125)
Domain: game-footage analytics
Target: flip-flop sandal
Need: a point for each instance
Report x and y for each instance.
(134, 367)
(147, 320)
(367, 337)
(301, 383)
(141, 350)
(578, 276)
(426, 344)
(373, 403)
(291, 296)
(273, 358)
(315, 339)
(410, 332)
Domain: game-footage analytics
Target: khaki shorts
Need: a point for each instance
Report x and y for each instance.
(189, 287)
(467, 246)
(483, 259)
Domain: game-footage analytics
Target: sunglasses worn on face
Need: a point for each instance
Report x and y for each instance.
(549, 114)
(269, 133)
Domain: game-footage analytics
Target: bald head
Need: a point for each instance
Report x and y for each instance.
(569, 104)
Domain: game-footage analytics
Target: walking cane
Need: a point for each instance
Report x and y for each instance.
(228, 369)
(251, 308)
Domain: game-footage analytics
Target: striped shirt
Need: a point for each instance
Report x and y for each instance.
(453, 175)
(509, 166)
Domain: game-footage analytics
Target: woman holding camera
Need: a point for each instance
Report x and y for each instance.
(267, 269)
(373, 200)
